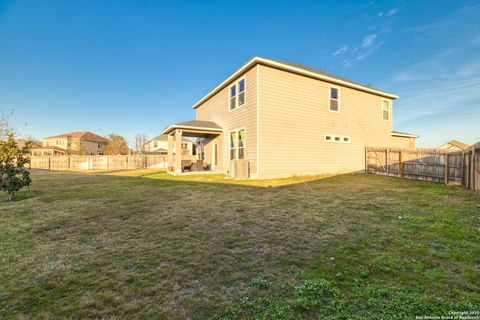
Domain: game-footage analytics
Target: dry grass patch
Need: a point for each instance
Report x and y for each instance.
(146, 244)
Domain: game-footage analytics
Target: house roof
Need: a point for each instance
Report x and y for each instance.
(82, 135)
(298, 69)
(458, 144)
(194, 125)
(22, 142)
(403, 134)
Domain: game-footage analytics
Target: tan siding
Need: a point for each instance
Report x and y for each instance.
(294, 118)
(216, 109)
(402, 142)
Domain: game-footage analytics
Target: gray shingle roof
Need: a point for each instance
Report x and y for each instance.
(319, 72)
(199, 123)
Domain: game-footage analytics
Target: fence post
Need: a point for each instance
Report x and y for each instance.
(401, 164)
(68, 162)
(446, 167)
(49, 165)
(386, 161)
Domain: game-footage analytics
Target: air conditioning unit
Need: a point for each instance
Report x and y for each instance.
(239, 169)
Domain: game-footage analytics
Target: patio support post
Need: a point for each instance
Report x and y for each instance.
(178, 151)
(170, 153)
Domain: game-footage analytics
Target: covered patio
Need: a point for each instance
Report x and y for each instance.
(207, 130)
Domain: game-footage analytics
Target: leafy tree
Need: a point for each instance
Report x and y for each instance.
(116, 145)
(13, 174)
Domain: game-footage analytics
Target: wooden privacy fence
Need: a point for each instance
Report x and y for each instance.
(103, 163)
(471, 178)
(422, 164)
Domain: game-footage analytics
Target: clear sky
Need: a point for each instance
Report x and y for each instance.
(130, 67)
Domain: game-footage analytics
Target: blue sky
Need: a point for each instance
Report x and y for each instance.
(132, 67)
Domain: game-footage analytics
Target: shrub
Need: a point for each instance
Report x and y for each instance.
(13, 174)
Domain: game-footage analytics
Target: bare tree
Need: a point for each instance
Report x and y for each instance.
(4, 126)
(140, 140)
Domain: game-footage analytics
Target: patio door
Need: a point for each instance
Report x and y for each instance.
(214, 156)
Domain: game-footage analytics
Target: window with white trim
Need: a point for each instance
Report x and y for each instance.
(241, 144)
(386, 109)
(233, 145)
(237, 94)
(237, 144)
(334, 99)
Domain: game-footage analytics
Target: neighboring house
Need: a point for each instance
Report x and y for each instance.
(83, 143)
(454, 145)
(282, 119)
(159, 145)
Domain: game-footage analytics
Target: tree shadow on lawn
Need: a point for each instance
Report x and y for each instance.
(98, 245)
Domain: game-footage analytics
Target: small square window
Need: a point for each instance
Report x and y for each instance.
(328, 138)
(337, 138)
(346, 139)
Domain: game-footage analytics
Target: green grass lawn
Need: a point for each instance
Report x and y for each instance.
(147, 245)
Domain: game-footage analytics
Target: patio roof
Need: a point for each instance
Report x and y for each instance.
(194, 127)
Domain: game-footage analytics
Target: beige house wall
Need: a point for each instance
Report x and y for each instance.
(76, 145)
(217, 109)
(56, 142)
(402, 142)
(209, 151)
(294, 118)
(91, 147)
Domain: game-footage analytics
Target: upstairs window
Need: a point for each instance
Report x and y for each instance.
(334, 101)
(386, 109)
(237, 94)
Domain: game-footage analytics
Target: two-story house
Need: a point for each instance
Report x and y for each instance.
(282, 119)
(83, 142)
(159, 144)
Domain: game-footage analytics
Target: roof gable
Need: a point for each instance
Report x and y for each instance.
(294, 68)
(458, 144)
